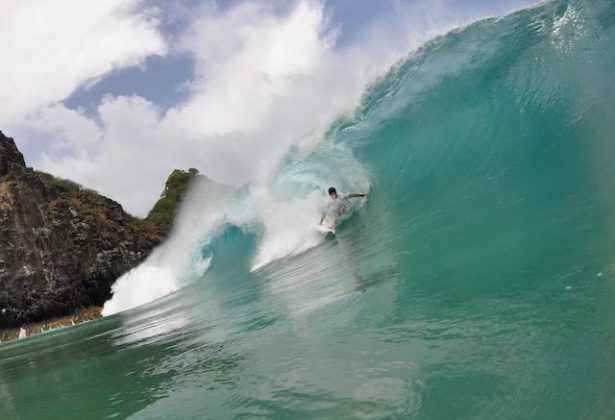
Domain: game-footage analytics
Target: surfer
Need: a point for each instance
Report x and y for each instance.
(341, 201)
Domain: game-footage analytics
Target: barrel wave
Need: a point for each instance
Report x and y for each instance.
(475, 281)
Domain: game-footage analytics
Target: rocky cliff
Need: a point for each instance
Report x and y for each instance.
(61, 246)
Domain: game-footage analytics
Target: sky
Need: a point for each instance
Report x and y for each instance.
(115, 94)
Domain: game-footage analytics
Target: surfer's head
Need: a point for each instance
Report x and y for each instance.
(333, 192)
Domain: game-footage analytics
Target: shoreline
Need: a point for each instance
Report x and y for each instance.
(82, 315)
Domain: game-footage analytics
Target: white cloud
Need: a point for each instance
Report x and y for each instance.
(70, 130)
(263, 81)
(50, 47)
(131, 158)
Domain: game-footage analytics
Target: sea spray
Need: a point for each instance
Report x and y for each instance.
(178, 259)
(282, 210)
(294, 198)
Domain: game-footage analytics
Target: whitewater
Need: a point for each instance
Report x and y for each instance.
(476, 281)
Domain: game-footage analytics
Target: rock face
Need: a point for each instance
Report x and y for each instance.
(61, 246)
(11, 159)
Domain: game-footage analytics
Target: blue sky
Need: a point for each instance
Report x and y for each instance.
(117, 93)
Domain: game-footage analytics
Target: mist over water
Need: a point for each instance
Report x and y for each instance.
(282, 210)
(178, 261)
(475, 282)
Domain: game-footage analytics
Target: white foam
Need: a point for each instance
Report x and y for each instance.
(178, 260)
(290, 227)
(139, 286)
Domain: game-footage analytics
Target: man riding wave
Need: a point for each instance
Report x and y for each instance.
(341, 202)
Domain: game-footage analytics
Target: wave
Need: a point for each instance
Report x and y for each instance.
(489, 132)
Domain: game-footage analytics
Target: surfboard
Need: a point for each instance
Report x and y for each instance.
(326, 229)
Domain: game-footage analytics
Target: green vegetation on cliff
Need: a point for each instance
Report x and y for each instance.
(175, 189)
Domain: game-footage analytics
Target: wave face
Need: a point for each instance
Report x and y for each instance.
(477, 281)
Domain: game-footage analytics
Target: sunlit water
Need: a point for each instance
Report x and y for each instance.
(476, 282)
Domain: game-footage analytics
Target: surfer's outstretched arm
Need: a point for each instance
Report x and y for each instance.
(353, 195)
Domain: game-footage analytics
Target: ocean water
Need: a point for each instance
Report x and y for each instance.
(476, 281)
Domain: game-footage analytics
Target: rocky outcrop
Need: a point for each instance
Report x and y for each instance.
(61, 246)
(11, 159)
(175, 189)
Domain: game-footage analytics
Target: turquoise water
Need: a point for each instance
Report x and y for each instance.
(476, 282)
